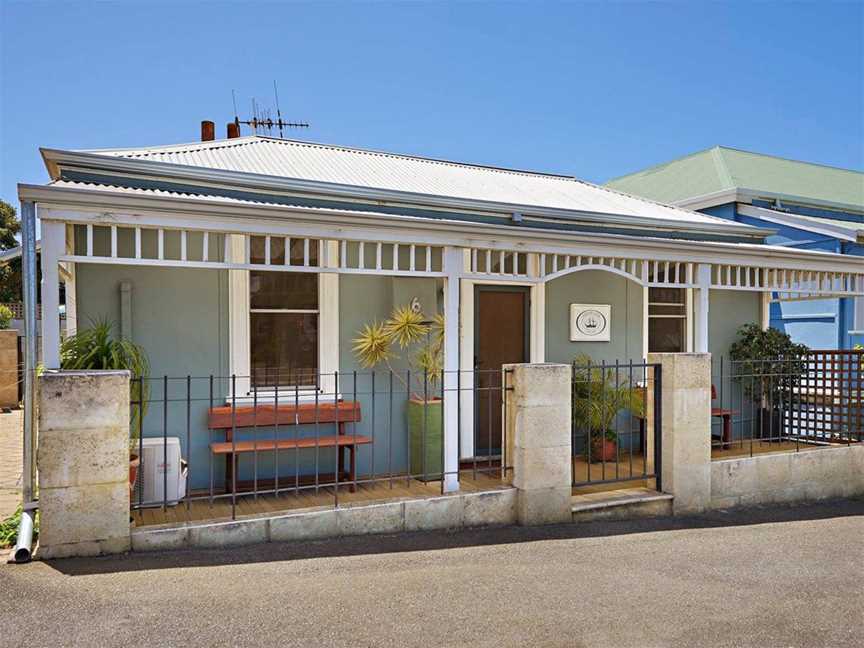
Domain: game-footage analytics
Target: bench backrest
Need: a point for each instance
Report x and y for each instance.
(265, 415)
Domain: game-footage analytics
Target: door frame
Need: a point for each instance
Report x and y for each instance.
(526, 337)
(536, 346)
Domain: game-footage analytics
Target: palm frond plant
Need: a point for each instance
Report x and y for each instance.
(406, 335)
(597, 398)
(97, 348)
(409, 335)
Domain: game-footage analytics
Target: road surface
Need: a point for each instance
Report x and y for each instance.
(789, 576)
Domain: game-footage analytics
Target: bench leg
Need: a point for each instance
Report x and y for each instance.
(727, 431)
(352, 468)
(229, 473)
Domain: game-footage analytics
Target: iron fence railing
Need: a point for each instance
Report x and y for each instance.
(815, 399)
(354, 430)
(617, 422)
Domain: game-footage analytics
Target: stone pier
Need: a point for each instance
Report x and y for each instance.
(83, 462)
(538, 441)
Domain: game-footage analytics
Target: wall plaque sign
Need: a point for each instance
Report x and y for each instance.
(590, 322)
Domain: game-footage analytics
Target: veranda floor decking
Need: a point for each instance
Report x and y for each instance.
(247, 505)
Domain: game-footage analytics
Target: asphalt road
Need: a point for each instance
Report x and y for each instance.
(783, 577)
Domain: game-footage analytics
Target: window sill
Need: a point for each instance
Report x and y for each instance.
(286, 397)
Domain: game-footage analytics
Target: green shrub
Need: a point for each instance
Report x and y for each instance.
(5, 316)
(9, 529)
(767, 363)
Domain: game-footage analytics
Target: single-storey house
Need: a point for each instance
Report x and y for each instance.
(810, 207)
(247, 267)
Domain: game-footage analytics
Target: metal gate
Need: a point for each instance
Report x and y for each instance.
(616, 422)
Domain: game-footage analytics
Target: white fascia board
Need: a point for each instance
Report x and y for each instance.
(794, 220)
(745, 195)
(84, 205)
(710, 200)
(168, 172)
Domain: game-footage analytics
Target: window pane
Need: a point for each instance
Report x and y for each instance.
(289, 290)
(666, 334)
(666, 295)
(284, 348)
(670, 309)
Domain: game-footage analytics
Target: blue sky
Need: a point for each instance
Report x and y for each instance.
(595, 90)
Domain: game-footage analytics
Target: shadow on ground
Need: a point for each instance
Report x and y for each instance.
(431, 541)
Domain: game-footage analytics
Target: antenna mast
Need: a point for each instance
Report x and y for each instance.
(262, 117)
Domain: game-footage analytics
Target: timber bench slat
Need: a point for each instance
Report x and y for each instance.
(265, 415)
(229, 418)
(227, 447)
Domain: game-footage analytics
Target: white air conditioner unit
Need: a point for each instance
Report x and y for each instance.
(160, 473)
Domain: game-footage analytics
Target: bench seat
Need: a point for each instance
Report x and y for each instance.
(264, 445)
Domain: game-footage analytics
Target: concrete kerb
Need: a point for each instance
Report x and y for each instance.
(448, 512)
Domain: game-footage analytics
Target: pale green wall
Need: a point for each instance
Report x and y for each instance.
(594, 287)
(180, 317)
(727, 311)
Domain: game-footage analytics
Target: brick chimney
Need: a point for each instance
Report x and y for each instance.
(233, 130)
(208, 131)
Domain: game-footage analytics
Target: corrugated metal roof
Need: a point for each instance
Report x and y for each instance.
(394, 172)
(721, 168)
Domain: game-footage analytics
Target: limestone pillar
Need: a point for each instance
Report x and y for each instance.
(83, 462)
(538, 441)
(685, 401)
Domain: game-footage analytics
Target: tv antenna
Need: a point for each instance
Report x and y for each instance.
(262, 117)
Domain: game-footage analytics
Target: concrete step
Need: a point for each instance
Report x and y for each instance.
(624, 504)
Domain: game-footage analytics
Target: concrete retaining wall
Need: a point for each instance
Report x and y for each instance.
(458, 511)
(788, 477)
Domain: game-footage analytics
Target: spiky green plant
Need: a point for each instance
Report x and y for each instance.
(421, 340)
(97, 348)
(598, 396)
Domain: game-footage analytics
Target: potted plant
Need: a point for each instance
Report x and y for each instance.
(598, 396)
(409, 335)
(97, 348)
(769, 366)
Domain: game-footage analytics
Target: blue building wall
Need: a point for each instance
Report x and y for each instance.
(823, 323)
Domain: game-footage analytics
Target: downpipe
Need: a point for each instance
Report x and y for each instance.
(23, 551)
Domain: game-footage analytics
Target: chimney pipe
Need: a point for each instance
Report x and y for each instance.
(208, 131)
(233, 130)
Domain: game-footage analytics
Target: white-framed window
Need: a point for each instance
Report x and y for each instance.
(283, 326)
(667, 320)
(283, 319)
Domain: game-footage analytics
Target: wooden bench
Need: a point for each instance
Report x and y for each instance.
(263, 415)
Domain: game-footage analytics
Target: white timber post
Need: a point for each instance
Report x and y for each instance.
(53, 247)
(538, 310)
(765, 310)
(703, 279)
(453, 267)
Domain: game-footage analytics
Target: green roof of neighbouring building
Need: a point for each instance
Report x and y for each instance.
(721, 169)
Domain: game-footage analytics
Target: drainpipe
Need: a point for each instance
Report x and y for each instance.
(22, 552)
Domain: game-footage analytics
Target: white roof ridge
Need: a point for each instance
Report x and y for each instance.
(255, 139)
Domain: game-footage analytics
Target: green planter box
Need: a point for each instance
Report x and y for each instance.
(430, 445)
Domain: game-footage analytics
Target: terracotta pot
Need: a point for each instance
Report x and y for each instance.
(603, 450)
(134, 462)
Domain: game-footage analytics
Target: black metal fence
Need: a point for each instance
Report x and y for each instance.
(226, 441)
(617, 422)
(788, 403)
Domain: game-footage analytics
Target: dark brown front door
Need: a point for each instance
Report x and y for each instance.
(501, 318)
